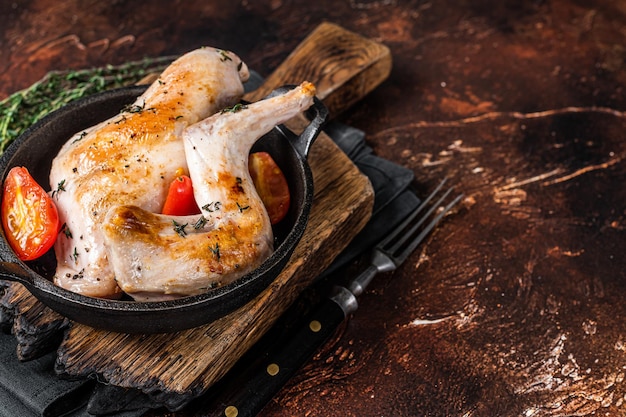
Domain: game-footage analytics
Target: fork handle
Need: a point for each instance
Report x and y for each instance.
(258, 383)
(359, 284)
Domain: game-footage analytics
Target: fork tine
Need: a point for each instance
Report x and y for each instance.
(383, 258)
(407, 234)
(411, 247)
(392, 236)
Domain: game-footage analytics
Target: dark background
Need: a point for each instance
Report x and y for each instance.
(514, 307)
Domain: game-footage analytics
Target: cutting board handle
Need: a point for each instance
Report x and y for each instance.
(343, 65)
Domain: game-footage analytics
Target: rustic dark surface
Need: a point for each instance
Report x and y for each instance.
(514, 307)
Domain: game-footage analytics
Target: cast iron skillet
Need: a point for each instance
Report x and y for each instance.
(38, 145)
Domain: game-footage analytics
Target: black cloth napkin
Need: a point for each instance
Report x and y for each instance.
(32, 388)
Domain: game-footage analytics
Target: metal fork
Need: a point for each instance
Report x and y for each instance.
(394, 249)
(255, 384)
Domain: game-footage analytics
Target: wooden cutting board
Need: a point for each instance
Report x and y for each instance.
(345, 67)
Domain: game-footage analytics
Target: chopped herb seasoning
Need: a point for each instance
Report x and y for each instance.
(234, 109)
(60, 187)
(237, 187)
(133, 108)
(82, 135)
(136, 108)
(224, 55)
(75, 255)
(216, 250)
(180, 228)
(66, 231)
(242, 208)
(213, 206)
(200, 223)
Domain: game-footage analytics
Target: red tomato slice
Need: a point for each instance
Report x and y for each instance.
(29, 216)
(180, 200)
(271, 185)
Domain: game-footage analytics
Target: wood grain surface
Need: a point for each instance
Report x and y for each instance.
(364, 64)
(514, 307)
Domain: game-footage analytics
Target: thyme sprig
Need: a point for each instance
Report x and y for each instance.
(58, 88)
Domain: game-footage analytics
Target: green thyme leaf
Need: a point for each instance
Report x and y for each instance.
(180, 228)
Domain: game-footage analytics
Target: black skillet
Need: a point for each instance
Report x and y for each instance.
(38, 145)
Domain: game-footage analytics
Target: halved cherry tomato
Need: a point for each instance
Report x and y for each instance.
(29, 216)
(271, 185)
(180, 200)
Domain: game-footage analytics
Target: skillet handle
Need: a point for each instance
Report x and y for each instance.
(316, 116)
(12, 271)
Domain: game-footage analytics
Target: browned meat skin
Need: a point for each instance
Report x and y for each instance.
(131, 160)
(157, 257)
